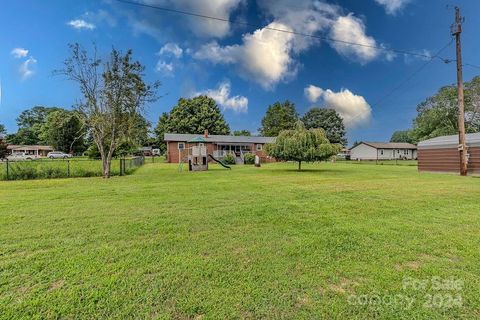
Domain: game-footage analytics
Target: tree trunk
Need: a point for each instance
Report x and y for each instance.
(106, 168)
(299, 165)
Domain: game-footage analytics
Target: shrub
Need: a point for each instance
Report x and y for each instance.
(23, 172)
(229, 159)
(249, 158)
(50, 172)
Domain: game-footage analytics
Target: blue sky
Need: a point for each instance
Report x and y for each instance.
(245, 68)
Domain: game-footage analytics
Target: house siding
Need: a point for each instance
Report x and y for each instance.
(363, 152)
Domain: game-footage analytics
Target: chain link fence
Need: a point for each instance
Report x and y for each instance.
(65, 168)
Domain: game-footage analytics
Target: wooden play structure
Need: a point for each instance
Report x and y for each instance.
(197, 155)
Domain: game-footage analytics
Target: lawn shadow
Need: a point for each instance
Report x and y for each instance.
(309, 170)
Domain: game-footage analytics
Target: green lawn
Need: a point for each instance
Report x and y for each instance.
(264, 242)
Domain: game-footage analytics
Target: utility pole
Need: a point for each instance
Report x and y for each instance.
(462, 146)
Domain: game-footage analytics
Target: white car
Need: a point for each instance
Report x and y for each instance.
(21, 157)
(58, 155)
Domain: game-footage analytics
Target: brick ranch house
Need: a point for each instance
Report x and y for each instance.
(217, 145)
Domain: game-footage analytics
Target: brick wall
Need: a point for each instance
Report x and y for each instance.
(173, 152)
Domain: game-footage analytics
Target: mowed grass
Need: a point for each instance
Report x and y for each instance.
(249, 242)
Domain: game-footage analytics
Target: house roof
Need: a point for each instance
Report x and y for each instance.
(390, 145)
(198, 139)
(472, 139)
(218, 138)
(23, 147)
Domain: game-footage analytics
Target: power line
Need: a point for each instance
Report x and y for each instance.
(256, 26)
(410, 77)
(472, 65)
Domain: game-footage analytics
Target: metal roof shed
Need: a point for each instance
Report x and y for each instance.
(441, 154)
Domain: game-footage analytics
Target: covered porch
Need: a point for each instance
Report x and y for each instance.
(235, 149)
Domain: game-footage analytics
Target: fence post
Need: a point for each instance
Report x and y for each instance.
(68, 168)
(8, 176)
(121, 168)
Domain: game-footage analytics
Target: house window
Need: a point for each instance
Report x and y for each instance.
(381, 152)
(259, 147)
(181, 145)
(406, 152)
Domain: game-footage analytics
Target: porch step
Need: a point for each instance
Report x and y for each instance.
(238, 160)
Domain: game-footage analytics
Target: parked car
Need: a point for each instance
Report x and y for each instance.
(156, 152)
(58, 155)
(21, 157)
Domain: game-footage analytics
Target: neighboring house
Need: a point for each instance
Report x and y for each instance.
(39, 151)
(383, 151)
(441, 154)
(217, 145)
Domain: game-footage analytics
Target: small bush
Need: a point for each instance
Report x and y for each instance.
(249, 158)
(228, 159)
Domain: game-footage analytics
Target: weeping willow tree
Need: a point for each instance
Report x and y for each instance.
(302, 145)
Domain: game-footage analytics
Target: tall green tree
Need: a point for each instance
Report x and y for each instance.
(438, 114)
(193, 115)
(3, 130)
(114, 95)
(24, 136)
(328, 120)
(245, 133)
(160, 130)
(30, 124)
(140, 130)
(197, 114)
(64, 131)
(302, 145)
(279, 116)
(402, 136)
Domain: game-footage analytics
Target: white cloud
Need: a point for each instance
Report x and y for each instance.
(81, 24)
(148, 21)
(313, 93)
(171, 49)
(307, 16)
(354, 109)
(222, 96)
(166, 68)
(269, 57)
(263, 57)
(393, 6)
(424, 55)
(26, 68)
(352, 29)
(19, 53)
